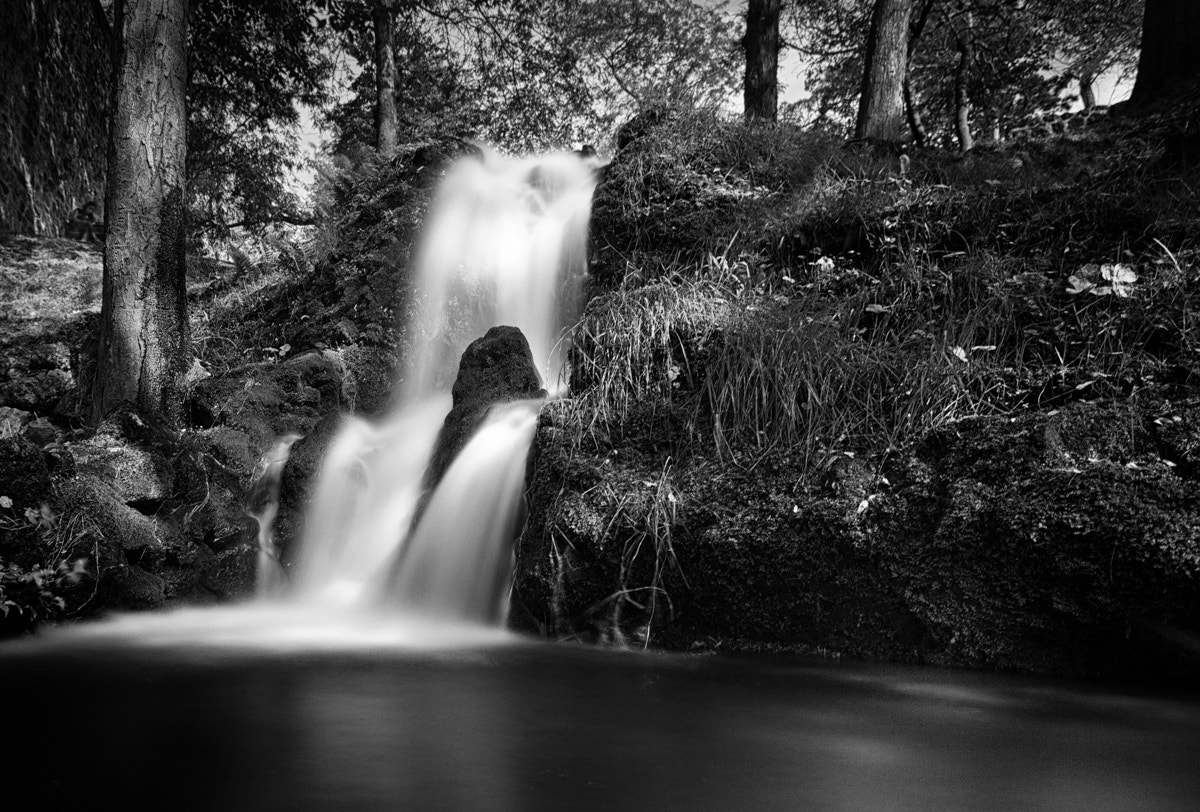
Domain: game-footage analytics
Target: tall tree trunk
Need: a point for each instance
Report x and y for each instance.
(144, 348)
(382, 12)
(761, 92)
(881, 104)
(964, 42)
(1170, 32)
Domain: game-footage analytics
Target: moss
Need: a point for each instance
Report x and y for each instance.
(1052, 544)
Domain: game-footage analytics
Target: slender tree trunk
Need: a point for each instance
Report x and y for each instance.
(144, 349)
(965, 44)
(1170, 33)
(386, 126)
(912, 113)
(761, 92)
(881, 104)
(1087, 90)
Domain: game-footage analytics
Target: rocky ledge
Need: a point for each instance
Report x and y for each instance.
(1065, 543)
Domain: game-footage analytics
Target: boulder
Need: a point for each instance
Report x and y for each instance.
(496, 368)
(12, 421)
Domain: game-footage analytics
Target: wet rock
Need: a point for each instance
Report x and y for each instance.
(298, 480)
(369, 378)
(496, 368)
(138, 589)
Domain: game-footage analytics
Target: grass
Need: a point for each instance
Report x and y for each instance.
(866, 309)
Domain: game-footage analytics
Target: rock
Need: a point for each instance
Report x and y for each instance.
(12, 421)
(369, 378)
(31, 385)
(139, 475)
(496, 368)
(138, 589)
(128, 530)
(268, 400)
(298, 479)
(40, 431)
(1057, 544)
(24, 478)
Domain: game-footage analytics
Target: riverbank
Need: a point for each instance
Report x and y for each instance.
(821, 400)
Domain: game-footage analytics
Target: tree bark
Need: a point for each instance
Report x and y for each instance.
(1170, 31)
(386, 125)
(761, 89)
(143, 349)
(965, 44)
(912, 112)
(881, 103)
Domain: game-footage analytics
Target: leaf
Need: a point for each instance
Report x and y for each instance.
(5, 502)
(877, 308)
(1121, 277)
(1077, 284)
(959, 353)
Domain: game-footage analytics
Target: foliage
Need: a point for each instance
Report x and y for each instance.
(875, 307)
(33, 594)
(690, 181)
(1025, 55)
(560, 71)
(251, 65)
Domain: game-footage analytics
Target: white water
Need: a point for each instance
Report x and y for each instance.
(262, 505)
(505, 244)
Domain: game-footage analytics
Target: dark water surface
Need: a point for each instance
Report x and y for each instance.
(523, 725)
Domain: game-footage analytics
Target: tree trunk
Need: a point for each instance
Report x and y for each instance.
(382, 12)
(881, 104)
(144, 350)
(912, 112)
(1087, 90)
(761, 93)
(916, 127)
(965, 44)
(1170, 31)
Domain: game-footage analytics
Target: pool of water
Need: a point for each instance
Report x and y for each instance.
(210, 711)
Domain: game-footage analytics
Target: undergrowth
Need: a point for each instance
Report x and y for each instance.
(851, 306)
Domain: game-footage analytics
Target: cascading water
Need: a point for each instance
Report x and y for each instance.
(505, 244)
(262, 505)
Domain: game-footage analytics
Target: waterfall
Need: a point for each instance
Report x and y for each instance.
(262, 505)
(504, 244)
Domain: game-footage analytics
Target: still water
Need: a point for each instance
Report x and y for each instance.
(380, 717)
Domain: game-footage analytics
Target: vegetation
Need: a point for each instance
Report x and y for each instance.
(912, 397)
